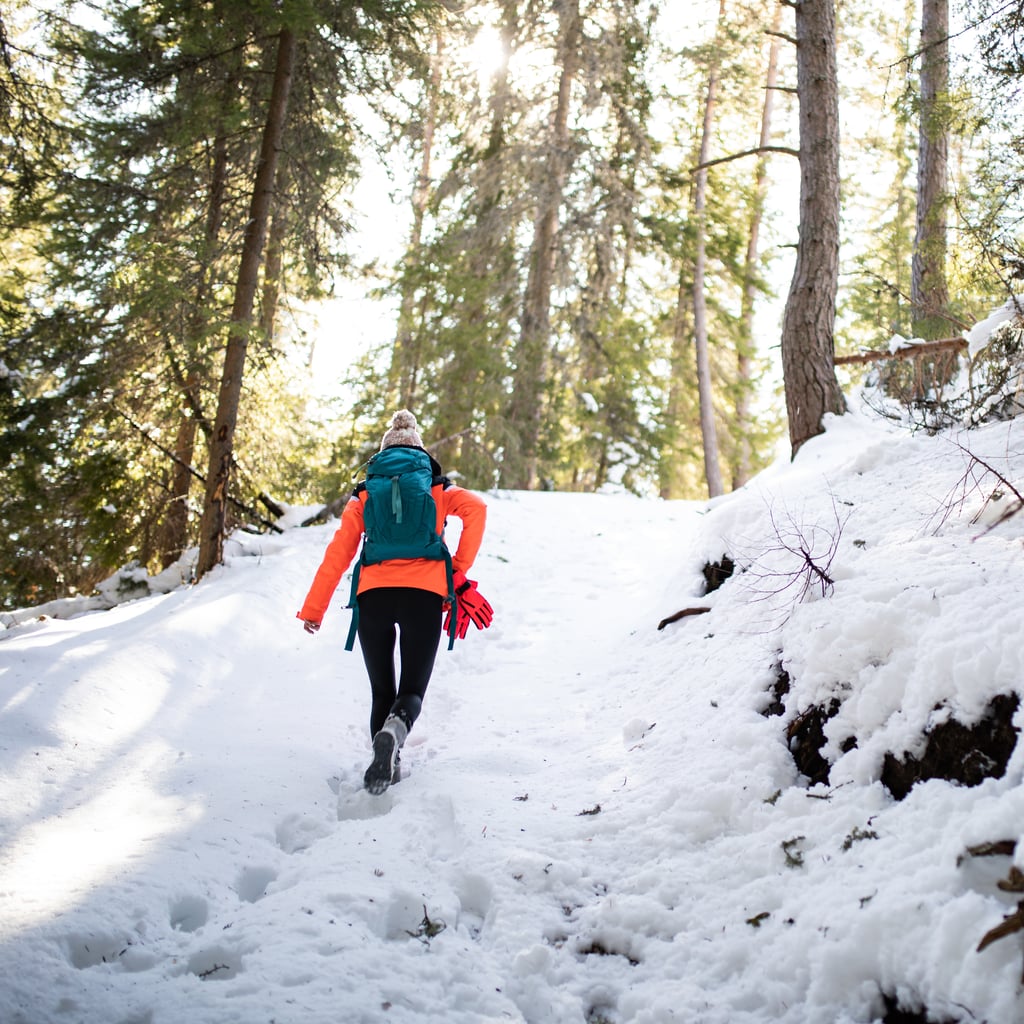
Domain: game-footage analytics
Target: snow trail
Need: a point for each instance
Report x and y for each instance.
(600, 825)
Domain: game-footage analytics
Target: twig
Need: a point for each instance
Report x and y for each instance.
(812, 569)
(971, 482)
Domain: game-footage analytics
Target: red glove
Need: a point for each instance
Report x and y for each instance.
(461, 621)
(470, 606)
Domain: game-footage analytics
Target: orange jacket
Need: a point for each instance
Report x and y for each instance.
(419, 573)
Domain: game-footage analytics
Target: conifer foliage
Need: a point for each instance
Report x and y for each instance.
(600, 203)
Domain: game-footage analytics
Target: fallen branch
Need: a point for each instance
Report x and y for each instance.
(922, 348)
(681, 614)
(1008, 926)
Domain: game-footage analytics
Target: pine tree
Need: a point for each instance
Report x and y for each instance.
(532, 351)
(708, 430)
(929, 294)
(809, 321)
(143, 235)
(744, 427)
(214, 521)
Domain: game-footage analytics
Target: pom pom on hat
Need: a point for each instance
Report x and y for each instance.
(402, 431)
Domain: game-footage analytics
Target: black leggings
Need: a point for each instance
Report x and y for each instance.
(417, 614)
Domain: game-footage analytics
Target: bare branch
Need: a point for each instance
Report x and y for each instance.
(241, 506)
(748, 152)
(976, 479)
(990, 16)
(807, 550)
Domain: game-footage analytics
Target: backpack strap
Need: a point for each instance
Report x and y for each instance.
(444, 483)
(353, 603)
(452, 624)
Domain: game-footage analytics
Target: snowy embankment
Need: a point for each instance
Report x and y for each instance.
(602, 823)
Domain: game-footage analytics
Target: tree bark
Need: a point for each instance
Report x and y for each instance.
(808, 323)
(708, 431)
(742, 461)
(525, 409)
(929, 293)
(273, 268)
(670, 484)
(214, 520)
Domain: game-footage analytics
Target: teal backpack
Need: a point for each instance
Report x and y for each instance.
(399, 519)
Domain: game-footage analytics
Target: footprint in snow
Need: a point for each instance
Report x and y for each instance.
(358, 805)
(189, 913)
(354, 803)
(299, 832)
(252, 883)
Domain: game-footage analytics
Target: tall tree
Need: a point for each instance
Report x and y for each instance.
(708, 430)
(142, 239)
(458, 280)
(606, 370)
(929, 294)
(406, 356)
(875, 302)
(742, 459)
(525, 412)
(808, 323)
(174, 531)
(214, 519)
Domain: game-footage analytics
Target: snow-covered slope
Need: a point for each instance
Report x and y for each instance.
(600, 824)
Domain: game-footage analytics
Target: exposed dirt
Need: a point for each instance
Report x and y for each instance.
(966, 755)
(896, 1014)
(806, 737)
(776, 706)
(716, 573)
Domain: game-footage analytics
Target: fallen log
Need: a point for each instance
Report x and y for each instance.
(921, 348)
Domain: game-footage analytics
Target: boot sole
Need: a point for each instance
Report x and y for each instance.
(379, 775)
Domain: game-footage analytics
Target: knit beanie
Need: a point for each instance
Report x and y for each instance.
(402, 431)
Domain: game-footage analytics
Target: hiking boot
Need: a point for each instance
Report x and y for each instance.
(384, 768)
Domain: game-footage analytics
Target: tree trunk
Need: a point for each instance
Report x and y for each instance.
(405, 357)
(525, 409)
(929, 294)
(670, 483)
(274, 264)
(808, 323)
(485, 285)
(742, 461)
(708, 431)
(214, 520)
(173, 533)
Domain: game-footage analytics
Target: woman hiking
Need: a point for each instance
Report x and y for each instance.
(403, 580)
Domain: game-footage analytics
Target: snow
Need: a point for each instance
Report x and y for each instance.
(980, 334)
(897, 342)
(599, 823)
